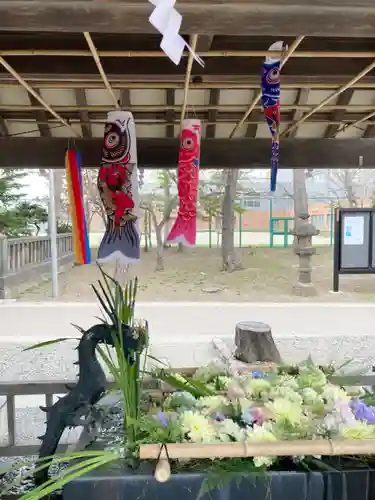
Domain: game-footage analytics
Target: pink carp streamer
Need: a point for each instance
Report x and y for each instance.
(184, 229)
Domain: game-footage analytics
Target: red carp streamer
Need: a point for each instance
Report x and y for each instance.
(184, 229)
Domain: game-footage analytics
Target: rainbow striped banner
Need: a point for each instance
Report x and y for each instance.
(77, 210)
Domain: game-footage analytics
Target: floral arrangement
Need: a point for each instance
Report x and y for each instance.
(214, 407)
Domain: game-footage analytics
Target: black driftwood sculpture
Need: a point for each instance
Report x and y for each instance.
(76, 407)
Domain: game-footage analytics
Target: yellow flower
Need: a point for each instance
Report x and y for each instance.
(285, 410)
(257, 386)
(359, 430)
(197, 427)
(262, 433)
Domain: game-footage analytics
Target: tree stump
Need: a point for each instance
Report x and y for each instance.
(254, 343)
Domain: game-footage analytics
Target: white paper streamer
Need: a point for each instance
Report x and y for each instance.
(167, 21)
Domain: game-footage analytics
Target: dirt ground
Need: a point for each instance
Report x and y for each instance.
(194, 275)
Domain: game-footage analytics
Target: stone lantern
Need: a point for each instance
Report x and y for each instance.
(304, 231)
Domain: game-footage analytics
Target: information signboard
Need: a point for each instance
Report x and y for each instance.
(354, 242)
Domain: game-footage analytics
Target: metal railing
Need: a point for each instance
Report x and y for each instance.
(25, 260)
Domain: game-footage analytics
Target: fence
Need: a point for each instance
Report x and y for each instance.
(25, 260)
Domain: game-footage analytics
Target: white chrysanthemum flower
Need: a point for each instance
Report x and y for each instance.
(355, 392)
(255, 387)
(283, 392)
(360, 430)
(285, 411)
(287, 381)
(197, 427)
(334, 395)
(217, 403)
(228, 431)
(261, 433)
(224, 382)
(310, 396)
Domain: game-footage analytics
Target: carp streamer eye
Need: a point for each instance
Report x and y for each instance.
(112, 140)
(273, 76)
(188, 143)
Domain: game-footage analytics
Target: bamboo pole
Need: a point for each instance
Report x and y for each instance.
(291, 50)
(356, 123)
(328, 99)
(323, 447)
(158, 108)
(31, 91)
(212, 53)
(98, 63)
(193, 44)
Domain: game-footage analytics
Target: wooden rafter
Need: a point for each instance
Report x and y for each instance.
(157, 108)
(151, 120)
(81, 100)
(301, 100)
(203, 49)
(169, 112)
(32, 92)
(41, 116)
(213, 113)
(257, 98)
(339, 114)
(3, 127)
(328, 99)
(167, 81)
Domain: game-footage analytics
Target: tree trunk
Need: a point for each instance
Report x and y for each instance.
(159, 248)
(145, 225)
(230, 260)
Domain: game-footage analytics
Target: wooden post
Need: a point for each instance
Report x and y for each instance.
(254, 343)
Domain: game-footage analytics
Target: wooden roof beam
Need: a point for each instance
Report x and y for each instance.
(3, 127)
(339, 114)
(35, 94)
(81, 100)
(257, 98)
(233, 17)
(166, 81)
(301, 100)
(41, 116)
(213, 113)
(328, 99)
(215, 153)
(169, 113)
(204, 44)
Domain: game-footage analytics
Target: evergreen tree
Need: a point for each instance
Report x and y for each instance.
(18, 217)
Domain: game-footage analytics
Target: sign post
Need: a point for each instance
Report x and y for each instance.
(353, 243)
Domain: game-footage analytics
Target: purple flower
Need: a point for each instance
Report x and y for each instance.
(219, 417)
(163, 418)
(253, 415)
(362, 411)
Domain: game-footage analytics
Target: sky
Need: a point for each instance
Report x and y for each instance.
(35, 186)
